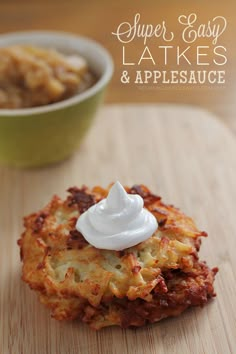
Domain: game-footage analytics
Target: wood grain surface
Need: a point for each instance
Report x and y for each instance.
(181, 153)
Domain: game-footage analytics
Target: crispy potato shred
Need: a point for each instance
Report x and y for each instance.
(157, 278)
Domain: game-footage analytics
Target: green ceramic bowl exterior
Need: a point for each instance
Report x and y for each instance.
(45, 138)
(44, 135)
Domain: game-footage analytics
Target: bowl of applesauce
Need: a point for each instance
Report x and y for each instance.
(51, 84)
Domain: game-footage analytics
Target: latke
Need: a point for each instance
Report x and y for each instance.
(157, 278)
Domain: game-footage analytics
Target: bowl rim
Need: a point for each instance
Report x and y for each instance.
(77, 98)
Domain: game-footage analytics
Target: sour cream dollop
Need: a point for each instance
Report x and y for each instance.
(118, 221)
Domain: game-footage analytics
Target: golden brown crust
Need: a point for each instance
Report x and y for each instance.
(157, 278)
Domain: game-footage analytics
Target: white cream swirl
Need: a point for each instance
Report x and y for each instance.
(117, 222)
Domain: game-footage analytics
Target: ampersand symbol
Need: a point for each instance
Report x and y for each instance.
(125, 77)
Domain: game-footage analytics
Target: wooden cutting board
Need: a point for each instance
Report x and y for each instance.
(182, 153)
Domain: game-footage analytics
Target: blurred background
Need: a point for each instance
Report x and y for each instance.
(97, 19)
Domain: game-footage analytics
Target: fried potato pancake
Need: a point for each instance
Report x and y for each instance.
(157, 278)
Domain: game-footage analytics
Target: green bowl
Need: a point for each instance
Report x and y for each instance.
(47, 134)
